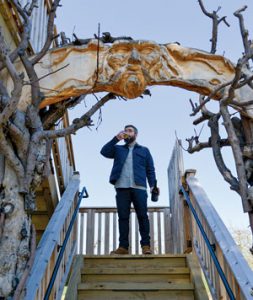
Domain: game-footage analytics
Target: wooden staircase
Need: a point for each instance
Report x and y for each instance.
(128, 277)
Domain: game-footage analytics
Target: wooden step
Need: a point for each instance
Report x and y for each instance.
(134, 286)
(135, 270)
(135, 290)
(136, 295)
(135, 261)
(169, 278)
(135, 277)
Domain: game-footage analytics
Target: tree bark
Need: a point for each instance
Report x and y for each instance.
(14, 243)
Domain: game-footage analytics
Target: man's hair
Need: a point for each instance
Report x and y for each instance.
(135, 129)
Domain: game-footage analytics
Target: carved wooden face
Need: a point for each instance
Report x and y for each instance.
(129, 65)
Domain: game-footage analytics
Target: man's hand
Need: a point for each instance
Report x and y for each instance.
(121, 135)
(158, 190)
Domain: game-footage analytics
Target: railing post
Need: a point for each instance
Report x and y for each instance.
(186, 214)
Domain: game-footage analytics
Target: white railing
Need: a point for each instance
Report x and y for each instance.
(98, 231)
(50, 244)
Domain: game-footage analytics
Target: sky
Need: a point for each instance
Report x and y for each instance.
(165, 114)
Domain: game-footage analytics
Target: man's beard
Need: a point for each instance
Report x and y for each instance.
(129, 140)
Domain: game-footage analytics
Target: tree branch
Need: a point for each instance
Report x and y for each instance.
(216, 144)
(77, 123)
(200, 146)
(212, 95)
(11, 105)
(56, 111)
(244, 32)
(26, 31)
(235, 145)
(35, 88)
(215, 23)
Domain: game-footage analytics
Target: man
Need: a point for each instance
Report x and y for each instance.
(133, 165)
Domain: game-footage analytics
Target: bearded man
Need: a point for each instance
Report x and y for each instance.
(133, 166)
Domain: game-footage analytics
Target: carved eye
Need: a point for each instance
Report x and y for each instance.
(147, 51)
(116, 59)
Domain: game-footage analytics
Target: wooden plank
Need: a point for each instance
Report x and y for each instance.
(107, 233)
(75, 278)
(115, 262)
(135, 286)
(141, 271)
(167, 231)
(99, 232)
(114, 230)
(187, 228)
(151, 224)
(136, 257)
(200, 291)
(90, 232)
(135, 295)
(130, 249)
(142, 277)
(159, 236)
(137, 240)
(114, 209)
(81, 243)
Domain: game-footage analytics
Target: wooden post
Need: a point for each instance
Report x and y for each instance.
(187, 214)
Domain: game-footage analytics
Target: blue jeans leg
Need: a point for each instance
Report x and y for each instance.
(123, 200)
(139, 198)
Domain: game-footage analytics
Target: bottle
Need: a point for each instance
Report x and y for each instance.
(155, 193)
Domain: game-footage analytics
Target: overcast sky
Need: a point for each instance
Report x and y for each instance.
(167, 111)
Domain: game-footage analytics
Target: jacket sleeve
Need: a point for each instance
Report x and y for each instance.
(150, 169)
(108, 149)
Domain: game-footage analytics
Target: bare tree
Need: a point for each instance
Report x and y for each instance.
(25, 143)
(25, 139)
(238, 129)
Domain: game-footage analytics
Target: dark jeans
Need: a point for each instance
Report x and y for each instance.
(124, 197)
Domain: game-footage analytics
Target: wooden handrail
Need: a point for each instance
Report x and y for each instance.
(187, 236)
(50, 243)
(236, 269)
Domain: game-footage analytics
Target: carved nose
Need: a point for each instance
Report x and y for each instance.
(134, 57)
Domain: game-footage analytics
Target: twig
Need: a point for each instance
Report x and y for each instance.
(212, 95)
(243, 30)
(48, 74)
(215, 21)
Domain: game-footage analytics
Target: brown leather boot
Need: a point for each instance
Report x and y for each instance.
(146, 250)
(120, 250)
